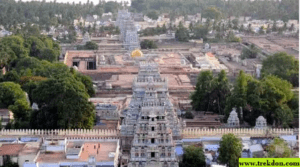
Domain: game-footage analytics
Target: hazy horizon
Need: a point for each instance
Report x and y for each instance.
(76, 1)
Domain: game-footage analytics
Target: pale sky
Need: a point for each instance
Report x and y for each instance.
(77, 1)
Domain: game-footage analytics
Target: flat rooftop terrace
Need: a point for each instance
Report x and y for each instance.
(89, 149)
(277, 45)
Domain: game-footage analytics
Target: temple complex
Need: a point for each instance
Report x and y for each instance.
(150, 124)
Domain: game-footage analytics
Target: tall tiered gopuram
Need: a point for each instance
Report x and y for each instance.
(128, 31)
(150, 125)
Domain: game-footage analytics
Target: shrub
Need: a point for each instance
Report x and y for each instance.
(189, 115)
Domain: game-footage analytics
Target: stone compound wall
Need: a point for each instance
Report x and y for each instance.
(111, 133)
(63, 132)
(196, 133)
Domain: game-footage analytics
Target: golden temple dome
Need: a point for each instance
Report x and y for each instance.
(136, 53)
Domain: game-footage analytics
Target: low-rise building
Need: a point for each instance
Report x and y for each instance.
(10, 153)
(256, 151)
(80, 153)
(107, 112)
(209, 62)
(6, 116)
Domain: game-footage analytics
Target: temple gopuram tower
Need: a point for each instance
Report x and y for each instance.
(128, 31)
(150, 124)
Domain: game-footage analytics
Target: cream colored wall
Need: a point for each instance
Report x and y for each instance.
(23, 158)
(14, 159)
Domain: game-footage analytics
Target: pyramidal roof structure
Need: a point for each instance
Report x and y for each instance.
(151, 125)
(128, 31)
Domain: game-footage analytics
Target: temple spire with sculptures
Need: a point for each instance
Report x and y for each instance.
(151, 124)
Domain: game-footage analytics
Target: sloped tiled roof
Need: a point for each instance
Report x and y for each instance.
(11, 149)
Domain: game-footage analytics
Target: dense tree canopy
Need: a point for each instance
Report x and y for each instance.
(211, 92)
(279, 149)
(270, 97)
(91, 45)
(18, 47)
(63, 103)
(153, 31)
(212, 13)
(203, 87)
(282, 65)
(153, 15)
(61, 92)
(14, 98)
(182, 34)
(230, 150)
(193, 157)
(148, 44)
(279, 10)
(250, 52)
(46, 14)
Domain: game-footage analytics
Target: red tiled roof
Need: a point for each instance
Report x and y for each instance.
(210, 54)
(11, 149)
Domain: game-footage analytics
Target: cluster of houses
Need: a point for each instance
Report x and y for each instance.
(33, 151)
(37, 151)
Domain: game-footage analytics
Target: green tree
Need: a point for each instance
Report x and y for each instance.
(242, 29)
(282, 65)
(204, 86)
(212, 13)
(148, 44)
(28, 62)
(12, 76)
(63, 103)
(249, 29)
(235, 23)
(91, 45)
(191, 26)
(5, 59)
(292, 28)
(284, 27)
(279, 149)
(232, 38)
(230, 150)
(14, 44)
(276, 94)
(220, 92)
(88, 83)
(261, 30)
(182, 33)
(48, 54)
(14, 98)
(152, 15)
(193, 157)
(274, 27)
(54, 21)
(200, 32)
(253, 108)
(164, 29)
(238, 95)
(250, 52)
